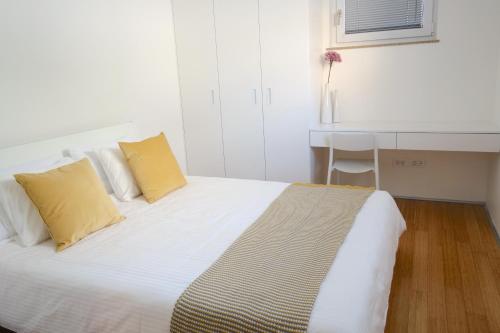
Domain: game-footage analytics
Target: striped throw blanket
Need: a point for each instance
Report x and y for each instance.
(269, 278)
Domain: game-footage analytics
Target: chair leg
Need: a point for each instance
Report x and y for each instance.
(330, 165)
(377, 173)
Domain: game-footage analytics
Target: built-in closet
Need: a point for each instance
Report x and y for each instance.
(244, 75)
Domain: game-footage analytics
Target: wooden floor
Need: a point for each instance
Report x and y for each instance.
(447, 274)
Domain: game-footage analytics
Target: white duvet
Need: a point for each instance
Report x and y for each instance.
(127, 278)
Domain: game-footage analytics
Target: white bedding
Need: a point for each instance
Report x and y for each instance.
(127, 278)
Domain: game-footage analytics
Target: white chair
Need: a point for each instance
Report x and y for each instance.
(353, 142)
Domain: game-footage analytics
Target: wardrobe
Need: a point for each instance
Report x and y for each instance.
(244, 77)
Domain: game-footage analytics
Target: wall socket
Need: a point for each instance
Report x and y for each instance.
(399, 163)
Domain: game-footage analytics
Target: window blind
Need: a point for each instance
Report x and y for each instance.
(382, 15)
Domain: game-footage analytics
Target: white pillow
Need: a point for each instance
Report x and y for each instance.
(22, 214)
(6, 228)
(120, 177)
(78, 154)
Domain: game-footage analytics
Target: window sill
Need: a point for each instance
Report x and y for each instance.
(393, 42)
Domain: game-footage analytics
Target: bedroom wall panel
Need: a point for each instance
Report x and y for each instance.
(199, 86)
(70, 66)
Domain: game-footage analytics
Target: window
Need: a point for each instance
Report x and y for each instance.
(378, 20)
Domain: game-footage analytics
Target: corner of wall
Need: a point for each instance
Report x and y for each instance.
(498, 91)
(318, 24)
(493, 202)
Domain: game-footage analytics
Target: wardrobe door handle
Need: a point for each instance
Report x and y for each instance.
(255, 96)
(270, 94)
(213, 96)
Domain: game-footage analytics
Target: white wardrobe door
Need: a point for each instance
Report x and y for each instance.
(285, 84)
(237, 30)
(198, 79)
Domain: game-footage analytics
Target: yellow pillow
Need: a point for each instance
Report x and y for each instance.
(72, 201)
(154, 166)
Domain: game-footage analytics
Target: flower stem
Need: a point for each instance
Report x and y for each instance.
(330, 71)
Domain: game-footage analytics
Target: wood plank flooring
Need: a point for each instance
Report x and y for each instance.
(447, 273)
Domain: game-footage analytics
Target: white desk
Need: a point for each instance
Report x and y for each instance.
(470, 137)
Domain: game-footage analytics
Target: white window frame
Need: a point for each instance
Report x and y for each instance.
(427, 30)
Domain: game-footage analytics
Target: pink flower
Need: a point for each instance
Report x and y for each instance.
(333, 56)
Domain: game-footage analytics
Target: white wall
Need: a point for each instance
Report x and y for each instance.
(450, 81)
(68, 66)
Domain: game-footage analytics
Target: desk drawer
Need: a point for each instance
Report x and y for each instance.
(449, 142)
(384, 140)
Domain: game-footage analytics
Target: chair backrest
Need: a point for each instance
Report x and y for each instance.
(352, 141)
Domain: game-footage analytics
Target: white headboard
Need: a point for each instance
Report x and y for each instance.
(37, 150)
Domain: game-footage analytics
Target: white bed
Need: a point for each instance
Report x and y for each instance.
(127, 278)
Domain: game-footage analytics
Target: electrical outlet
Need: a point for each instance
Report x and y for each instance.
(399, 163)
(408, 163)
(418, 163)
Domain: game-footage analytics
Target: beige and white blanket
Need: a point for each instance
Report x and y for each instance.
(269, 278)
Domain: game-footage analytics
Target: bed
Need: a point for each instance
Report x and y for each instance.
(128, 277)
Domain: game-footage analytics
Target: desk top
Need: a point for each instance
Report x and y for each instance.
(410, 127)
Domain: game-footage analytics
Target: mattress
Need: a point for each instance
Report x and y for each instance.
(127, 277)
